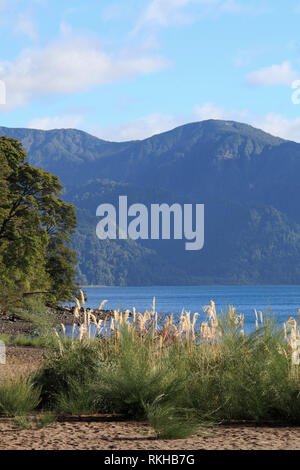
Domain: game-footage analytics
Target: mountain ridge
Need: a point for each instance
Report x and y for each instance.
(182, 126)
(247, 179)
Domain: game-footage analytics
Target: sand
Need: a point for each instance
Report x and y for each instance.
(109, 433)
(106, 432)
(20, 361)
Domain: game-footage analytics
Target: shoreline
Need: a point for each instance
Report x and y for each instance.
(13, 326)
(191, 285)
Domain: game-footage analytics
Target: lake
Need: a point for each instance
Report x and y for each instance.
(283, 301)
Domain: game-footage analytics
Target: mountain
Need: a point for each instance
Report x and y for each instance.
(247, 179)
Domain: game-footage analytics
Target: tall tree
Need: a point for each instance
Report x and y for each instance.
(35, 229)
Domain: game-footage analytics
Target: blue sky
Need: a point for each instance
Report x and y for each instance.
(126, 70)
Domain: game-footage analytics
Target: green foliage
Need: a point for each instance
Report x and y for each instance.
(170, 422)
(35, 342)
(5, 338)
(35, 229)
(18, 397)
(129, 384)
(252, 221)
(178, 387)
(63, 372)
(248, 378)
(79, 399)
(61, 262)
(42, 322)
(39, 421)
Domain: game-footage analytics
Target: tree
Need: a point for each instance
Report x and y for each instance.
(35, 229)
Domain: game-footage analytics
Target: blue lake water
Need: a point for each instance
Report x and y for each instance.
(283, 301)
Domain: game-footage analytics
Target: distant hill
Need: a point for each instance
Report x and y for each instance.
(247, 179)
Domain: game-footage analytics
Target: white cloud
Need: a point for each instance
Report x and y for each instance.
(244, 57)
(139, 129)
(69, 65)
(25, 25)
(232, 6)
(162, 13)
(213, 111)
(170, 12)
(112, 12)
(280, 126)
(157, 122)
(56, 122)
(65, 28)
(297, 9)
(282, 74)
(275, 124)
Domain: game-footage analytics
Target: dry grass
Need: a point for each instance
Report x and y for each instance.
(187, 331)
(145, 366)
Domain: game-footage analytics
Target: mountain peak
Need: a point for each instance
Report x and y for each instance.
(185, 148)
(210, 127)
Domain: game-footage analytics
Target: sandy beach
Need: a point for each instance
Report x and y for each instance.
(106, 432)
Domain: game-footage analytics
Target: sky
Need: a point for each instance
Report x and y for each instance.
(124, 70)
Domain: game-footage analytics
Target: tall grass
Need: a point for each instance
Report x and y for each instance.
(35, 342)
(246, 377)
(172, 422)
(65, 370)
(18, 397)
(139, 372)
(5, 338)
(33, 310)
(177, 374)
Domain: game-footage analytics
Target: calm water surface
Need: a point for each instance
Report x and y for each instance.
(283, 301)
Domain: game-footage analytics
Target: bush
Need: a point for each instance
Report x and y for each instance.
(18, 397)
(22, 340)
(78, 399)
(35, 422)
(174, 378)
(5, 338)
(245, 378)
(64, 372)
(171, 422)
(136, 377)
